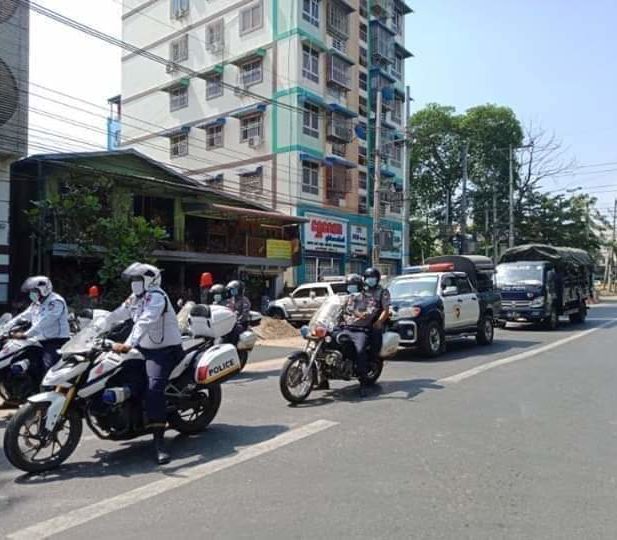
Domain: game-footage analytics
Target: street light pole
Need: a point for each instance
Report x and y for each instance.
(464, 200)
(377, 183)
(511, 201)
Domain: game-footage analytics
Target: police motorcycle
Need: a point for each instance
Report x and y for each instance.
(92, 383)
(246, 341)
(329, 354)
(16, 356)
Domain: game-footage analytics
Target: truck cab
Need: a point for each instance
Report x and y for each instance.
(432, 302)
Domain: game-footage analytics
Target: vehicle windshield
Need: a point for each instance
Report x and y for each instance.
(329, 312)
(81, 342)
(519, 274)
(401, 289)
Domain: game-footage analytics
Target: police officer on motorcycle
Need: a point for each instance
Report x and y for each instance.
(218, 295)
(357, 321)
(156, 335)
(380, 302)
(241, 306)
(49, 322)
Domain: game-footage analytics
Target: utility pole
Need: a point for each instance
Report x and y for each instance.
(377, 183)
(494, 223)
(610, 262)
(511, 200)
(406, 184)
(464, 200)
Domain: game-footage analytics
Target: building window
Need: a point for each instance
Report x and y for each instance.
(251, 126)
(397, 22)
(310, 177)
(363, 81)
(252, 184)
(362, 205)
(214, 86)
(397, 67)
(363, 33)
(362, 180)
(251, 73)
(362, 107)
(310, 63)
(364, 8)
(363, 57)
(338, 21)
(214, 137)
(179, 145)
(362, 156)
(179, 8)
(397, 111)
(311, 120)
(310, 11)
(339, 149)
(339, 71)
(178, 98)
(251, 18)
(397, 155)
(215, 36)
(179, 49)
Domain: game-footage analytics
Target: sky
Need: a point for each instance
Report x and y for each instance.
(551, 61)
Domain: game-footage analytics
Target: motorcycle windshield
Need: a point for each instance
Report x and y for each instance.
(81, 342)
(329, 313)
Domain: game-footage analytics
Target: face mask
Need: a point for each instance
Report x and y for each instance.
(371, 282)
(234, 292)
(352, 289)
(137, 287)
(34, 296)
(218, 298)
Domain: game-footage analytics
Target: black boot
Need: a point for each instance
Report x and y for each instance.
(161, 452)
(323, 385)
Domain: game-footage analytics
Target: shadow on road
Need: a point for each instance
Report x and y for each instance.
(249, 376)
(459, 349)
(383, 390)
(134, 458)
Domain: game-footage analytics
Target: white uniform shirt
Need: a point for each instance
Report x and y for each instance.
(49, 319)
(154, 326)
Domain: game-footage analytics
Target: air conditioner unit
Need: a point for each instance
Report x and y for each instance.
(254, 142)
(14, 29)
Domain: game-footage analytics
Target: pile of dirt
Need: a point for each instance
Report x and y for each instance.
(275, 329)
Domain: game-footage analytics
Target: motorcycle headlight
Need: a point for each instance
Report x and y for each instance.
(537, 302)
(409, 312)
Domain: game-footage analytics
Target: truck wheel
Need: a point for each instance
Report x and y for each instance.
(580, 316)
(552, 321)
(486, 331)
(432, 340)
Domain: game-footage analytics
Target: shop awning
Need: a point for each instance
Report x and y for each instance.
(387, 173)
(253, 55)
(218, 69)
(312, 98)
(260, 216)
(336, 161)
(402, 51)
(211, 123)
(251, 109)
(305, 156)
(343, 111)
(179, 130)
(178, 83)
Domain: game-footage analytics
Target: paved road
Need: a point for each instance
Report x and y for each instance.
(517, 440)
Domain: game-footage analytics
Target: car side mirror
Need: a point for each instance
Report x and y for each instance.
(450, 291)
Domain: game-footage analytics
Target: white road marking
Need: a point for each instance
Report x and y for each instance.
(66, 521)
(517, 357)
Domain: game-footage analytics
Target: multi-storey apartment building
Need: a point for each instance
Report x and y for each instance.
(274, 100)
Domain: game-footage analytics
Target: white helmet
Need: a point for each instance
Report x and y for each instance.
(40, 284)
(150, 275)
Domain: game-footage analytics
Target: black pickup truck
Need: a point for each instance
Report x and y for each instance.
(449, 296)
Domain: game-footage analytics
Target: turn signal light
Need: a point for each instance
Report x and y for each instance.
(320, 331)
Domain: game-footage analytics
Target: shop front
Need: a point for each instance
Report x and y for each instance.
(359, 259)
(391, 249)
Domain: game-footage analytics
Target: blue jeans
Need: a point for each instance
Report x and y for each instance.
(49, 357)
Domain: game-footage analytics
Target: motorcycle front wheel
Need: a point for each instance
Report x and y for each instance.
(29, 447)
(195, 415)
(295, 383)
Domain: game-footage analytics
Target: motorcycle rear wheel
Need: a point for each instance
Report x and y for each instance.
(23, 439)
(292, 377)
(199, 415)
(374, 372)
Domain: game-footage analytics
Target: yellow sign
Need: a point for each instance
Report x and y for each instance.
(278, 249)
